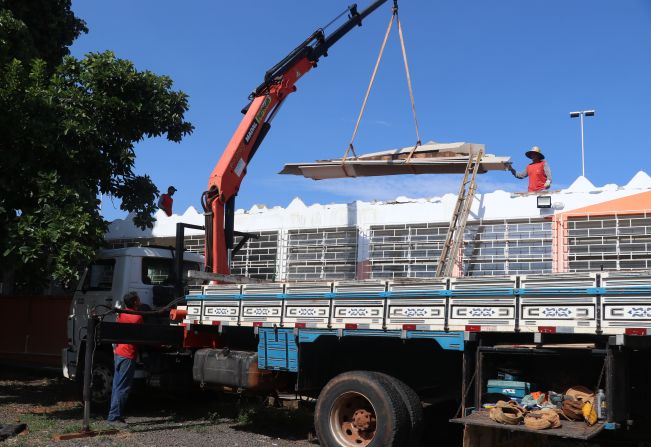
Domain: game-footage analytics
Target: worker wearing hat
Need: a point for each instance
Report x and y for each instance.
(165, 202)
(540, 176)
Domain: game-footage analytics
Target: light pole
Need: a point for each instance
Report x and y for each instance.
(582, 113)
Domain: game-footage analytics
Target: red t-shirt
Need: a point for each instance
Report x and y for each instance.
(165, 203)
(537, 177)
(124, 349)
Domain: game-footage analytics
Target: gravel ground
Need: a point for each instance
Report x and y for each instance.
(49, 405)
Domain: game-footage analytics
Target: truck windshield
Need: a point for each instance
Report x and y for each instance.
(100, 275)
(160, 271)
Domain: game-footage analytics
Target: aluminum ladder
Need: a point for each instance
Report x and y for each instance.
(454, 238)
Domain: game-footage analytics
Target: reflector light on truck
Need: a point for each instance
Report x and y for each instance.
(178, 314)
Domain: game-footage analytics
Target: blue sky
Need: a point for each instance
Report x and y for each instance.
(504, 73)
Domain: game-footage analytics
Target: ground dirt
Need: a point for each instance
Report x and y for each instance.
(50, 405)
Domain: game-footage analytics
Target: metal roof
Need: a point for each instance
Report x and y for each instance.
(429, 158)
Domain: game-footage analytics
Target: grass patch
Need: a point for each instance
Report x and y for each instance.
(72, 428)
(277, 421)
(200, 429)
(37, 422)
(42, 427)
(247, 415)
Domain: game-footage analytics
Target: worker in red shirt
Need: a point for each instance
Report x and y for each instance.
(165, 201)
(540, 176)
(125, 364)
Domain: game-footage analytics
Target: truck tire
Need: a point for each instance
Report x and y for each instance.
(414, 408)
(102, 383)
(361, 408)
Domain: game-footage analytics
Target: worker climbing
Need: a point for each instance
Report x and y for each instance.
(540, 176)
(165, 201)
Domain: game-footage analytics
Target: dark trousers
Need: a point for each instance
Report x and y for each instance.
(124, 370)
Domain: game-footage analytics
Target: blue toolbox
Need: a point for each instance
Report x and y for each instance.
(511, 388)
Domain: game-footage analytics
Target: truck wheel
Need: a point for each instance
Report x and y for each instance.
(361, 408)
(102, 383)
(414, 408)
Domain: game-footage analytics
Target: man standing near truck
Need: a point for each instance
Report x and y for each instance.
(125, 364)
(540, 176)
(165, 202)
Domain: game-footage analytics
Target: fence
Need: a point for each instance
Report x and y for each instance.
(36, 331)
(619, 241)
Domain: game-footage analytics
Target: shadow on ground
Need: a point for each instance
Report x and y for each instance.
(42, 397)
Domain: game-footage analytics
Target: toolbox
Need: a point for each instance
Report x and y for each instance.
(510, 388)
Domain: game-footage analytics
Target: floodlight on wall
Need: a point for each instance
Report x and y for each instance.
(544, 201)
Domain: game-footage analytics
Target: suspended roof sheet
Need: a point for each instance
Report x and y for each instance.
(429, 158)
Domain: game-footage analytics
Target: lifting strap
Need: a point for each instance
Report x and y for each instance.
(394, 16)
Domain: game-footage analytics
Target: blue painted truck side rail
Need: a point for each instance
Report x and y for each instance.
(278, 348)
(288, 314)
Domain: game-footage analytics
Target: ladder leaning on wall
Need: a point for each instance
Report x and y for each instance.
(454, 239)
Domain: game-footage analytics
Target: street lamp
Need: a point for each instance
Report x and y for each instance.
(582, 113)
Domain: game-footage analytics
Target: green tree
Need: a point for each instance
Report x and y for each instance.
(68, 129)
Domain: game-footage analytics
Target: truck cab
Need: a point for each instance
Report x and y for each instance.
(147, 270)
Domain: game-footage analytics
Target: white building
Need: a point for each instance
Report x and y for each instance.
(587, 228)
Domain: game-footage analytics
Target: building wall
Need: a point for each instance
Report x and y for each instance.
(490, 248)
(587, 228)
(614, 242)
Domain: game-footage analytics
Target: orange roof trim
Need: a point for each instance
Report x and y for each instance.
(626, 205)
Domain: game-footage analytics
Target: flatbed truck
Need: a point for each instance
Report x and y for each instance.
(373, 352)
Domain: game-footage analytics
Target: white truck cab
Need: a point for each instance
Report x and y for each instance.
(148, 270)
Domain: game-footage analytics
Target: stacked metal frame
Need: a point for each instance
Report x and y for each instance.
(606, 303)
(559, 303)
(262, 304)
(417, 305)
(626, 303)
(221, 305)
(307, 305)
(358, 305)
(482, 304)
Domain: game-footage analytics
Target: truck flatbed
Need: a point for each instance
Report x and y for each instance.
(603, 303)
(568, 429)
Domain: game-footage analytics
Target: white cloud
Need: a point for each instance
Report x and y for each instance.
(381, 123)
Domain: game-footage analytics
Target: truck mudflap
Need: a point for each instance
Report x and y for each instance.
(69, 362)
(568, 429)
(235, 369)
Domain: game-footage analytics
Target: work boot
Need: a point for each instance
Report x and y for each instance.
(118, 423)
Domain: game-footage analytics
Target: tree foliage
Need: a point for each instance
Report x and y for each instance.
(68, 128)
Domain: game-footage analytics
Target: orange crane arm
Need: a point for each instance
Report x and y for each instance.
(218, 200)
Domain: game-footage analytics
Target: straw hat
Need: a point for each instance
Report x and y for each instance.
(534, 150)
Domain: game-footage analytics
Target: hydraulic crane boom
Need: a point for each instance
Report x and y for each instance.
(219, 200)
